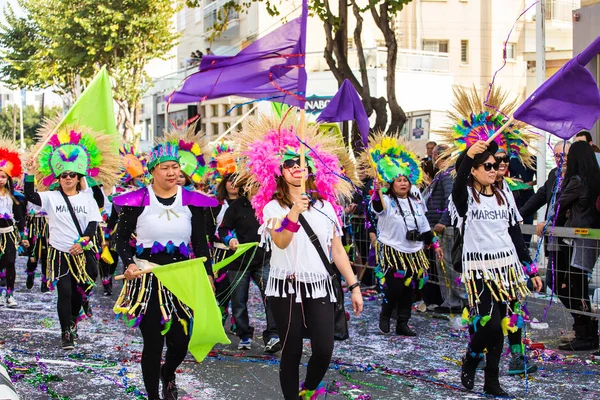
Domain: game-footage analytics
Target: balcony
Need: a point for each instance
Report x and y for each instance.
(408, 60)
(561, 10)
(211, 16)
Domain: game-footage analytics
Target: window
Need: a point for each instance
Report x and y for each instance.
(226, 126)
(464, 51)
(439, 46)
(510, 51)
(215, 128)
(239, 110)
(214, 110)
(203, 127)
(181, 19)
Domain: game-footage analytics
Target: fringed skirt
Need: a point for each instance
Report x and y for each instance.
(409, 265)
(8, 237)
(75, 265)
(501, 274)
(37, 233)
(136, 295)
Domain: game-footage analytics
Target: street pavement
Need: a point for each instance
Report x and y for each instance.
(369, 365)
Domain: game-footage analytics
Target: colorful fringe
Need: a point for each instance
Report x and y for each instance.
(413, 266)
(75, 263)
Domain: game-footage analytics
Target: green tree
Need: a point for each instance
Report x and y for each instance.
(78, 37)
(32, 119)
(335, 24)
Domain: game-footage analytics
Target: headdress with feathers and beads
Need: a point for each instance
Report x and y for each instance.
(10, 161)
(77, 149)
(264, 141)
(192, 159)
(134, 164)
(222, 162)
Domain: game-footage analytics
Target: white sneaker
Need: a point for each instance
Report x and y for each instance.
(11, 302)
(245, 344)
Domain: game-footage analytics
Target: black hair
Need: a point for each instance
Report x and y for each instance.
(582, 162)
(479, 160)
(586, 134)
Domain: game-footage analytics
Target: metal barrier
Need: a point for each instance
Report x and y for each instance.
(577, 289)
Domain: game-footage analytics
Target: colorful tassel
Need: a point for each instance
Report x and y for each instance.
(184, 324)
(167, 328)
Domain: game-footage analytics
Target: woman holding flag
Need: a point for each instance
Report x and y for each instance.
(300, 288)
(168, 221)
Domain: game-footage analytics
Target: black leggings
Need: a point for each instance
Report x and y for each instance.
(489, 336)
(7, 263)
(177, 344)
(291, 317)
(397, 294)
(108, 270)
(69, 293)
(39, 253)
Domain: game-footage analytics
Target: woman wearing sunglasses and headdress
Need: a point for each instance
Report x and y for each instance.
(487, 220)
(403, 229)
(73, 214)
(300, 289)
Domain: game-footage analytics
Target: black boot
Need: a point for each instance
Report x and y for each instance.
(384, 324)
(169, 387)
(402, 329)
(66, 340)
(404, 312)
(586, 338)
(492, 384)
(73, 330)
(30, 278)
(469, 367)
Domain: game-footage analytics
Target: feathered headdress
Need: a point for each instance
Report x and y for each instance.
(162, 152)
(77, 149)
(222, 162)
(191, 155)
(264, 141)
(387, 158)
(10, 161)
(134, 164)
(473, 120)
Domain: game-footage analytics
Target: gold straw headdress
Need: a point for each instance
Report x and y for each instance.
(192, 157)
(472, 120)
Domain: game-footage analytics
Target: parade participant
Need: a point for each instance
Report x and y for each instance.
(300, 289)
(519, 364)
(578, 202)
(168, 221)
(132, 176)
(240, 225)
(402, 226)
(12, 218)
(69, 155)
(490, 247)
(37, 235)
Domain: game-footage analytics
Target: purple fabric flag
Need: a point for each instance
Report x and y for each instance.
(271, 68)
(568, 102)
(347, 106)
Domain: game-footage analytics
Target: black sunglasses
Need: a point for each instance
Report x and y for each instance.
(289, 164)
(504, 159)
(66, 175)
(488, 166)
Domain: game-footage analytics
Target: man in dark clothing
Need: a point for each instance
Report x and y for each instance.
(427, 163)
(241, 226)
(437, 197)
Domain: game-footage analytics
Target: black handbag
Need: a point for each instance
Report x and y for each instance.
(340, 328)
(91, 261)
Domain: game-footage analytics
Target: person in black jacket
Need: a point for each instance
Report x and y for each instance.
(240, 225)
(580, 189)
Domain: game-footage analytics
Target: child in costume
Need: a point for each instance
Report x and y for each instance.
(12, 219)
(37, 235)
(300, 289)
(492, 244)
(132, 176)
(403, 229)
(69, 154)
(169, 225)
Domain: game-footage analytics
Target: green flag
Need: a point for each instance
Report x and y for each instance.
(279, 108)
(94, 109)
(188, 281)
(241, 249)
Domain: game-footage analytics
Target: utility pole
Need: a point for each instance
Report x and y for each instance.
(540, 72)
(23, 103)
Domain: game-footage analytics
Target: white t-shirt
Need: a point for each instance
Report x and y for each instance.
(511, 201)
(391, 226)
(6, 206)
(300, 258)
(63, 232)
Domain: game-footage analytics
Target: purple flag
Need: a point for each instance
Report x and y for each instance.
(271, 68)
(347, 106)
(568, 102)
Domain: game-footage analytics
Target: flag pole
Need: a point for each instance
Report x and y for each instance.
(499, 131)
(146, 271)
(302, 150)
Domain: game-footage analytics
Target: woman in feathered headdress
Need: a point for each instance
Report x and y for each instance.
(169, 225)
(495, 261)
(67, 156)
(12, 220)
(299, 286)
(402, 227)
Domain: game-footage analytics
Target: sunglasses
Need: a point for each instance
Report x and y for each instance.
(488, 166)
(504, 159)
(289, 164)
(66, 175)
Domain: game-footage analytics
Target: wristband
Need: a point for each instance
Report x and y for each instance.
(85, 244)
(288, 225)
(530, 269)
(351, 287)
(230, 235)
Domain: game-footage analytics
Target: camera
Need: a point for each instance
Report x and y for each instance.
(414, 236)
